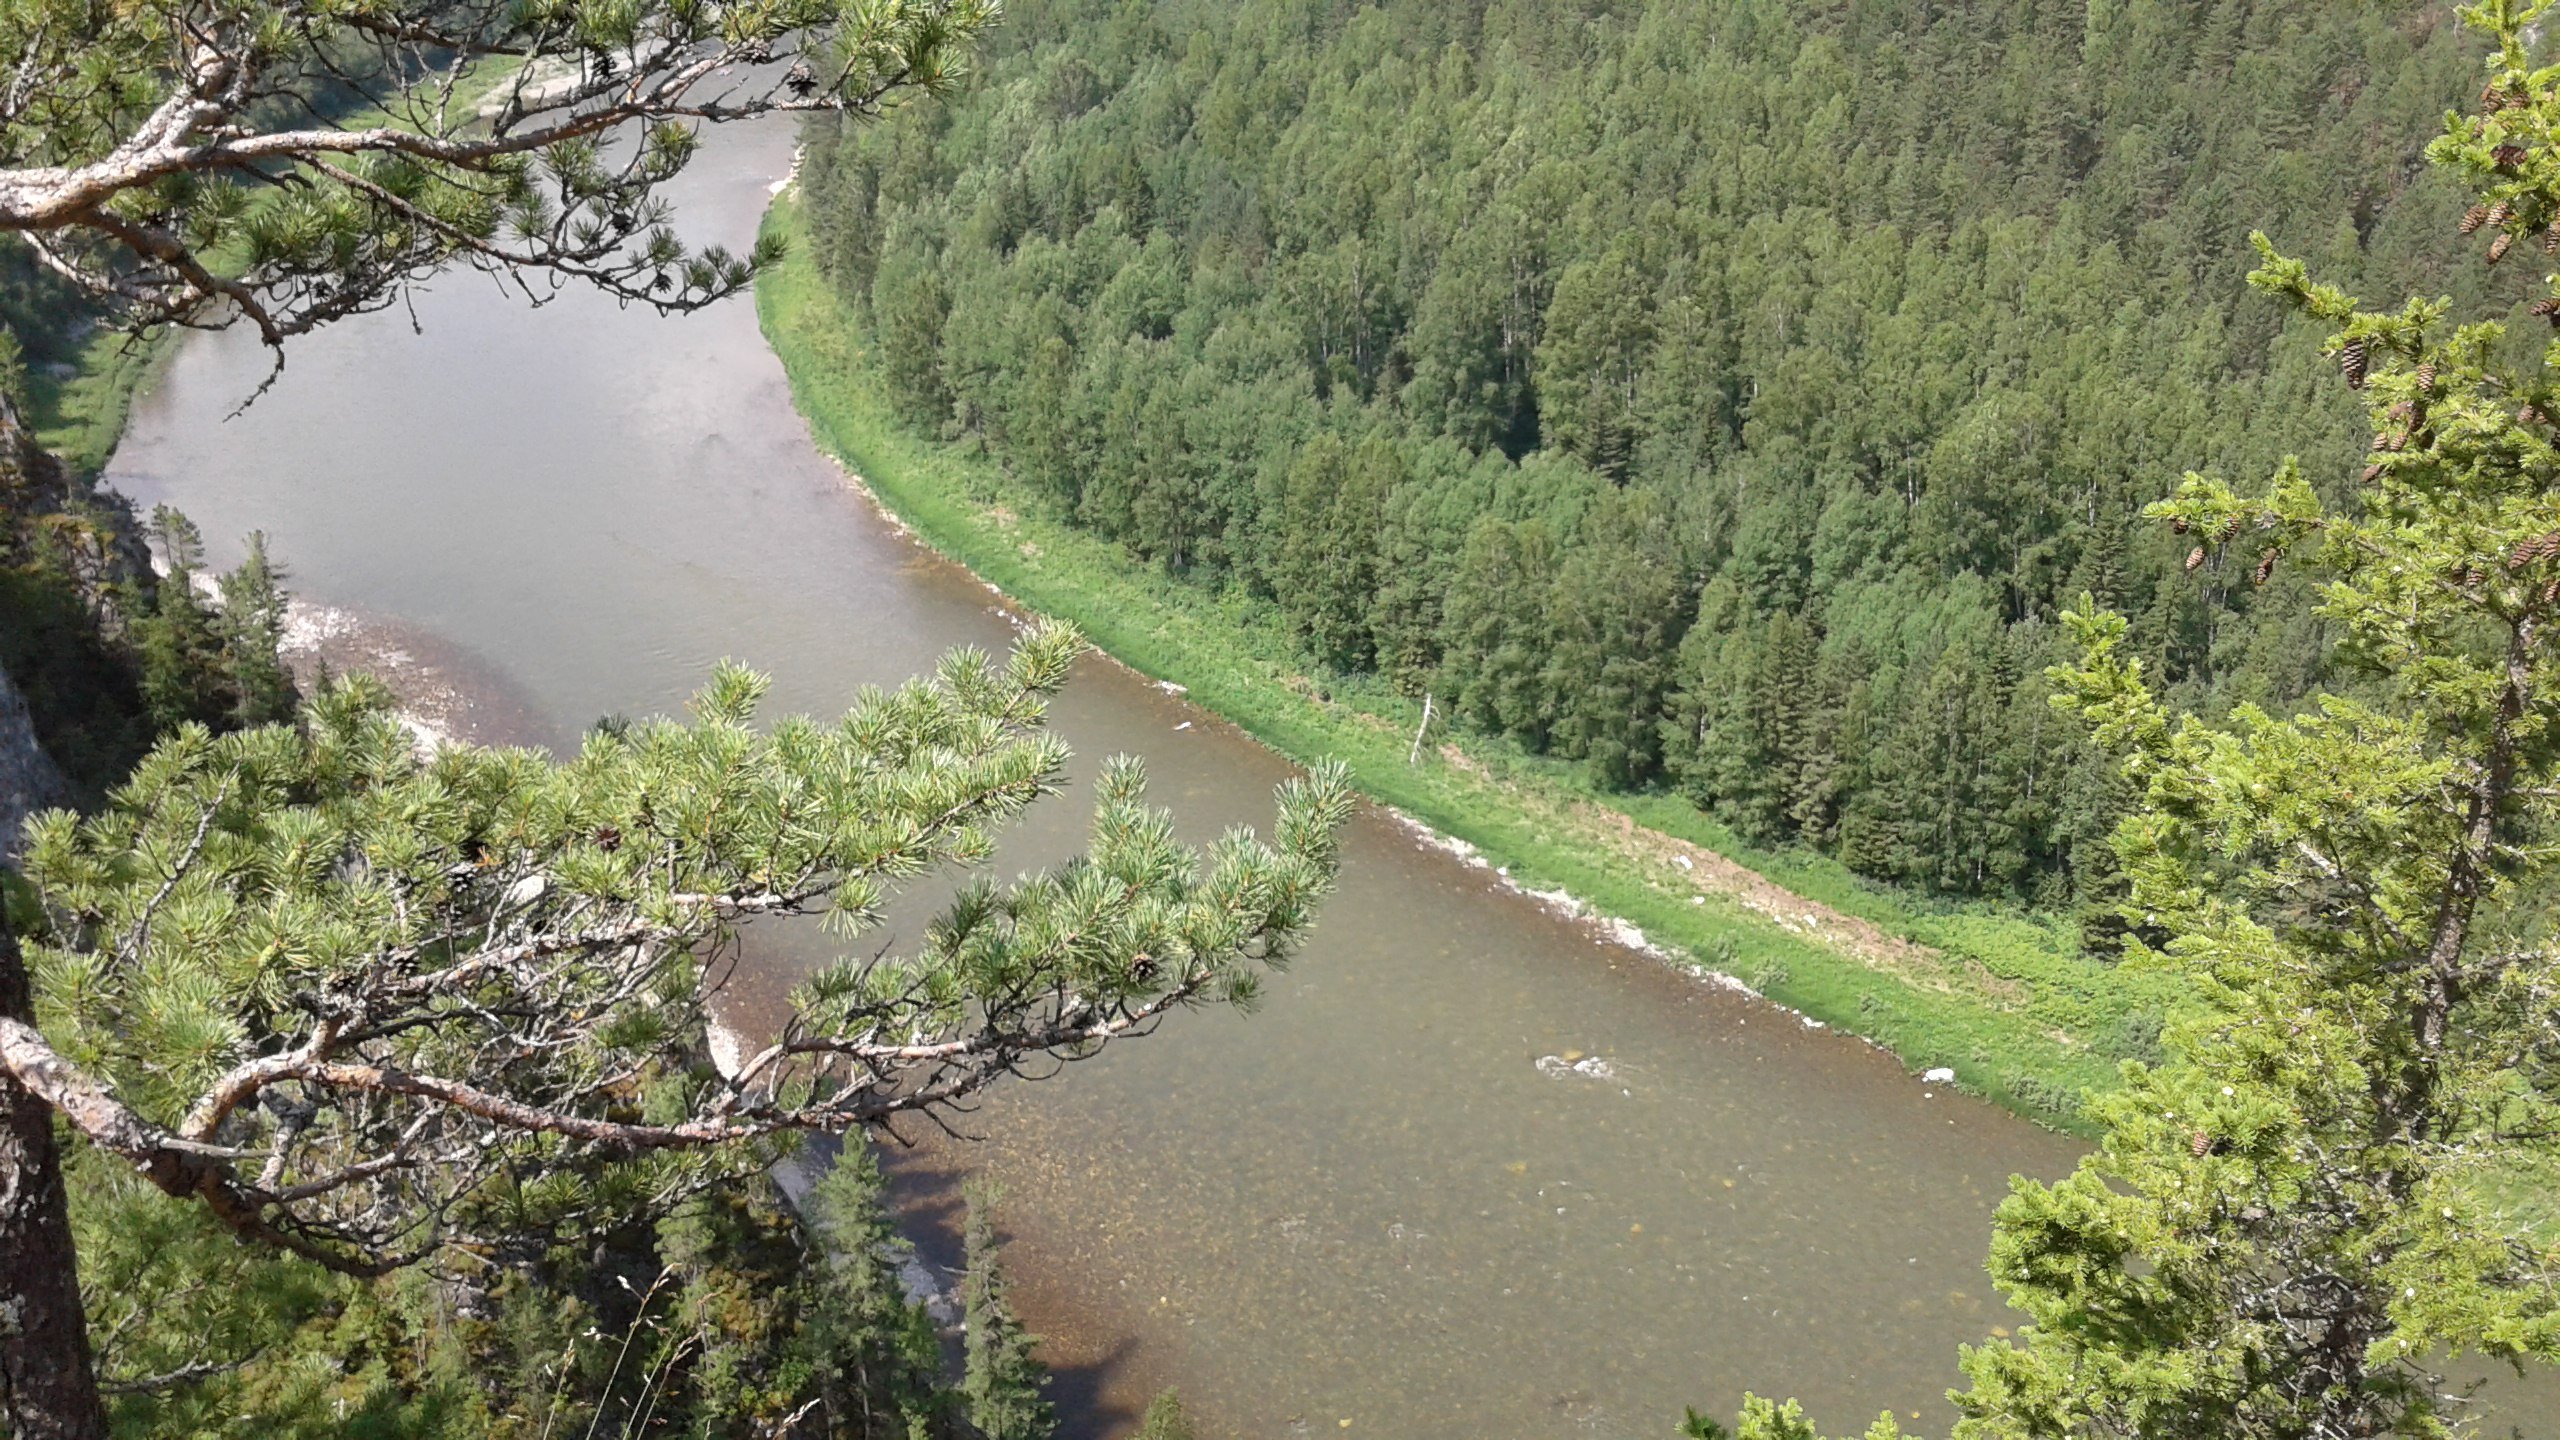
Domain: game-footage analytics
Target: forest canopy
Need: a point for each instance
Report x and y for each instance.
(1723, 396)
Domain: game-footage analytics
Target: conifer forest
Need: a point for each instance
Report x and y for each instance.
(1724, 397)
(1242, 719)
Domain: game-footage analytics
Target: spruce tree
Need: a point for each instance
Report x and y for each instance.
(1004, 1377)
(878, 1351)
(1166, 1420)
(171, 631)
(251, 630)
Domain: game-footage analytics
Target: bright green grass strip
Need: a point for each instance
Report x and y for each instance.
(2011, 1006)
(80, 416)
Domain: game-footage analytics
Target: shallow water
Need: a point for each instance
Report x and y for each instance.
(1365, 1207)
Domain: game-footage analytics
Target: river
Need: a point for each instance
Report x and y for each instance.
(1366, 1208)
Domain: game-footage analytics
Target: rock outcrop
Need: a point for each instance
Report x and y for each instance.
(29, 780)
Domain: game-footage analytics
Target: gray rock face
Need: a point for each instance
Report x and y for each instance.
(29, 780)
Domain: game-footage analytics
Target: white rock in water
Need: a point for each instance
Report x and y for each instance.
(1589, 1067)
(1940, 1076)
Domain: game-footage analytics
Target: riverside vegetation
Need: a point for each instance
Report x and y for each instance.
(2007, 1000)
(1496, 355)
(1619, 536)
(1723, 398)
(1198, 300)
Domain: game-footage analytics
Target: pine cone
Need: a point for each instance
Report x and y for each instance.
(2230, 528)
(2352, 358)
(2501, 212)
(2195, 558)
(2507, 157)
(2474, 218)
(2266, 565)
(2372, 473)
(2427, 376)
(2199, 1144)
(2499, 247)
(2551, 238)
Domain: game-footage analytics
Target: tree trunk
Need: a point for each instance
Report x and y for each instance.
(48, 1386)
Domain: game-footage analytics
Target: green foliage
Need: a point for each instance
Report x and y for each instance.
(1002, 1380)
(251, 632)
(329, 950)
(730, 1318)
(2002, 991)
(2307, 1208)
(1510, 353)
(1166, 1420)
(884, 1360)
(288, 164)
(108, 655)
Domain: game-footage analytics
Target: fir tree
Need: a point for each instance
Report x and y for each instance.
(173, 633)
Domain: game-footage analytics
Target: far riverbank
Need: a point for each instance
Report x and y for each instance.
(2003, 1000)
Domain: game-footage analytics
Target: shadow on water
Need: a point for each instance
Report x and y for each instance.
(932, 1212)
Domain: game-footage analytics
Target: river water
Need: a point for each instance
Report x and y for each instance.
(1366, 1208)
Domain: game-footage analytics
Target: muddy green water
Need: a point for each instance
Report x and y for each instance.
(1364, 1209)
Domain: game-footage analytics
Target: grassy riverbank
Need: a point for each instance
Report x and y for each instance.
(80, 416)
(2004, 999)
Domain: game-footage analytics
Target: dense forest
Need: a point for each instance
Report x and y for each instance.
(1725, 396)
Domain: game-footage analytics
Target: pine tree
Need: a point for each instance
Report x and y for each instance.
(1003, 1379)
(457, 1003)
(192, 167)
